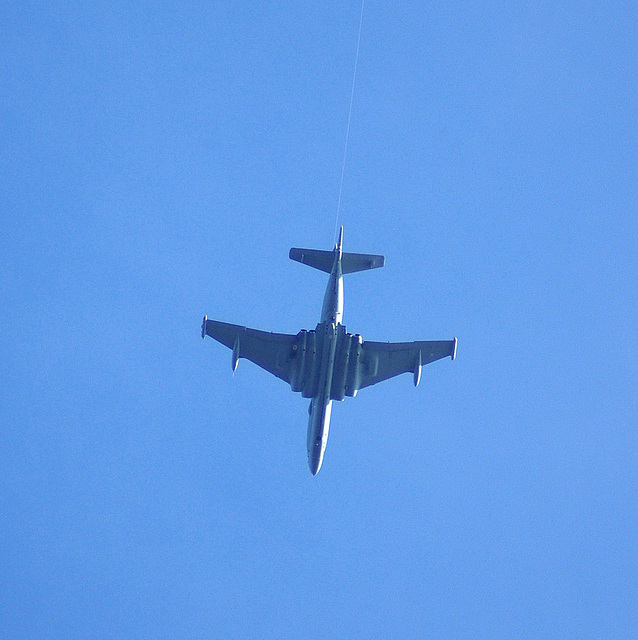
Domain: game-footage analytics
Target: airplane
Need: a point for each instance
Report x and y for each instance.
(327, 363)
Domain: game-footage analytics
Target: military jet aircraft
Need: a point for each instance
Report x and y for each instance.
(327, 363)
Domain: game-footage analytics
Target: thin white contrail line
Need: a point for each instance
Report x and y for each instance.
(345, 148)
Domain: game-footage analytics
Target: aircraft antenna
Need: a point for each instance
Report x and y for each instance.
(345, 148)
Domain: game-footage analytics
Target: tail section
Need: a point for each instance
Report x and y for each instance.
(351, 262)
(324, 260)
(339, 245)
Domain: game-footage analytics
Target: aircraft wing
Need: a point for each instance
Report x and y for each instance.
(383, 360)
(270, 351)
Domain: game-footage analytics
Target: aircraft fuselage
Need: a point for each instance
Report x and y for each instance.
(321, 405)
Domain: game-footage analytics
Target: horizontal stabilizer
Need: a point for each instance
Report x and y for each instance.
(324, 260)
(351, 262)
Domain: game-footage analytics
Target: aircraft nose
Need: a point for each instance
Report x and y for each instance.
(315, 465)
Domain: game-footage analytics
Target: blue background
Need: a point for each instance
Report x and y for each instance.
(159, 161)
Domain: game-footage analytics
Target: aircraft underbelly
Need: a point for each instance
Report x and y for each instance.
(309, 355)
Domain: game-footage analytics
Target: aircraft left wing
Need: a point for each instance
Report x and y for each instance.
(270, 351)
(383, 360)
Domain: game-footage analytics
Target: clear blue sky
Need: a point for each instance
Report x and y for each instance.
(158, 162)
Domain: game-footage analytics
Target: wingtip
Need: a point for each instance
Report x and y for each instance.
(454, 348)
(204, 327)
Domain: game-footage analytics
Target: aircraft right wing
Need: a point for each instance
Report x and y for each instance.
(270, 351)
(383, 360)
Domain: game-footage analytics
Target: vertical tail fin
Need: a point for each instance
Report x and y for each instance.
(340, 241)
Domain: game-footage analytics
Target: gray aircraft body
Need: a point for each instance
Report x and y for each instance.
(327, 363)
